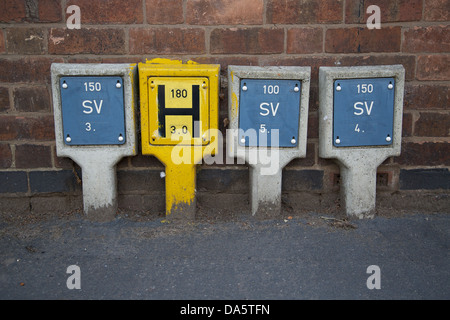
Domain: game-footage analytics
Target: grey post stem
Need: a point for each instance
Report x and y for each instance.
(358, 190)
(265, 193)
(99, 187)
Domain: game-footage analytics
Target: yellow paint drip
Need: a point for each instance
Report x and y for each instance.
(234, 104)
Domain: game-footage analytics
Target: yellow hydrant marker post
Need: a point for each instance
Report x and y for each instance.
(179, 124)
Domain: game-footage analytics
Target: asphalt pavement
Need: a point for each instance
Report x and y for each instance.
(290, 258)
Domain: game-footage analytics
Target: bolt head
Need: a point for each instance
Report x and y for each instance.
(244, 88)
(118, 85)
(293, 141)
(388, 139)
(121, 138)
(68, 139)
(296, 89)
(64, 85)
(390, 86)
(338, 88)
(243, 140)
(338, 141)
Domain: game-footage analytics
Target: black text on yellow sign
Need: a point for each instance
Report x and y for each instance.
(180, 112)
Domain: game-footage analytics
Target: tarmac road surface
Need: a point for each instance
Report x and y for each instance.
(307, 257)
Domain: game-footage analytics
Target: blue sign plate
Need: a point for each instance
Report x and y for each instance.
(363, 112)
(93, 110)
(269, 112)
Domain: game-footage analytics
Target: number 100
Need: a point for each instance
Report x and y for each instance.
(270, 89)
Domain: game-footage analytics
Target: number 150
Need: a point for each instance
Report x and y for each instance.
(365, 88)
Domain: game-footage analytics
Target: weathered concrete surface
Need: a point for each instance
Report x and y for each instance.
(266, 163)
(98, 162)
(358, 164)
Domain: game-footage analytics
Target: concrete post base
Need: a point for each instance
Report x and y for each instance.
(265, 192)
(99, 190)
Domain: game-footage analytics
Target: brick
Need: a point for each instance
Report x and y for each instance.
(304, 11)
(13, 207)
(4, 99)
(8, 128)
(31, 99)
(425, 96)
(55, 205)
(167, 41)
(12, 10)
(27, 128)
(49, 10)
(2, 42)
(432, 124)
(154, 203)
(221, 205)
(120, 59)
(33, 156)
(407, 125)
(433, 67)
(408, 62)
(218, 180)
(25, 41)
(427, 179)
(13, 181)
(424, 154)
(383, 179)
(302, 180)
(205, 12)
(62, 162)
(164, 12)
(313, 98)
(30, 69)
(314, 62)
(141, 161)
(139, 181)
(304, 40)
(390, 10)
(111, 11)
(5, 156)
(427, 39)
(86, 40)
(131, 203)
(435, 10)
(313, 125)
(247, 40)
(362, 40)
(61, 181)
(307, 161)
(225, 61)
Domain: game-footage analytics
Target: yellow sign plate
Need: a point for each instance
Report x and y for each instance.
(178, 110)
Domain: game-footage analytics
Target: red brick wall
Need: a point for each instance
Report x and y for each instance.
(33, 34)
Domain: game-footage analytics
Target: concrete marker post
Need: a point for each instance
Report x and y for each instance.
(358, 161)
(172, 95)
(266, 176)
(97, 160)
